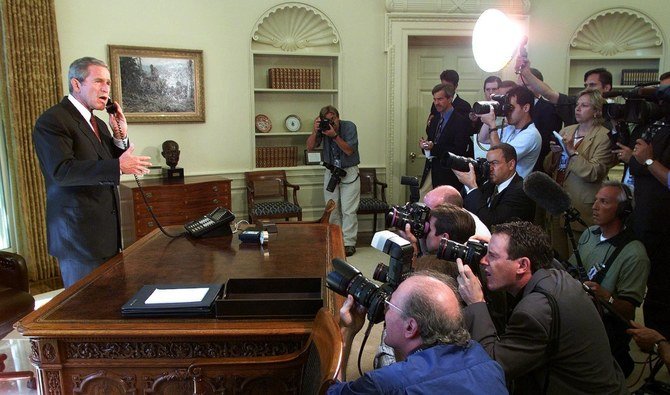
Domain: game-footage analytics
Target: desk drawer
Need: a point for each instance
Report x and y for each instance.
(159, 194)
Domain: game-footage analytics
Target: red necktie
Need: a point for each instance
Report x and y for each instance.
(94, 124)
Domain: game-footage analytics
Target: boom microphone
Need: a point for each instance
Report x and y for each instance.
(546, 193)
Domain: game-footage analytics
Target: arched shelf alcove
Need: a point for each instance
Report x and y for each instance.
(626, 42)
(295, 50)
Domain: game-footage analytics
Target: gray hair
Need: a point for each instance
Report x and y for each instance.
(79, 69)
(434, 325)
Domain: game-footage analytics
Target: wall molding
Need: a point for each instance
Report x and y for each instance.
(295, 26)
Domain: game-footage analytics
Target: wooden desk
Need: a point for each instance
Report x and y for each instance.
(81, 343)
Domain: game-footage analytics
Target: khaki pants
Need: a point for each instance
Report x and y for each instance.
(347, 196)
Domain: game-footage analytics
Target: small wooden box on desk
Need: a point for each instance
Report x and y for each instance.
(174, 202)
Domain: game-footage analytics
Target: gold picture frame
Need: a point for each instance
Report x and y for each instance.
(158, 84)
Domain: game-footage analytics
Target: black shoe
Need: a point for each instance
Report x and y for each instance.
(349, 250)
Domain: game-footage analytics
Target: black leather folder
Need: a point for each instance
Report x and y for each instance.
(159, 301)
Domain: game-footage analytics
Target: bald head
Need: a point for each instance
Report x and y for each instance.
(443, 194)
(431, 299)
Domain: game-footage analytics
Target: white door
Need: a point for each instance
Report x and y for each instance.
(428, 57)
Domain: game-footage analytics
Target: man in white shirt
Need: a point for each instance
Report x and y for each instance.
(520, 132)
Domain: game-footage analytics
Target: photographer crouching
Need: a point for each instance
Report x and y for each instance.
(341, 158)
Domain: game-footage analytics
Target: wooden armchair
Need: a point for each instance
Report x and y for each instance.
(372, 202)
(15, 303)
(267, 196)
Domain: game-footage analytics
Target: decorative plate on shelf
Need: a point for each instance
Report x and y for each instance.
(292, 123)
(263, 123)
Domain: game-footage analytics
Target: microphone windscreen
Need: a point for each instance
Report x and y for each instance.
(546, 192)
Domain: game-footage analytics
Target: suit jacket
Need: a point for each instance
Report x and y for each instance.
(546, 121)
(455, 138)
(586, 171)
(81, 175)
(511, 203)
(582, 364)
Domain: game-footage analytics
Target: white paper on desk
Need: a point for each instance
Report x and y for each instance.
(560, 140)
(176, 295)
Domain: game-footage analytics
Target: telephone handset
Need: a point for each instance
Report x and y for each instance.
(213, 224)
(111, 107)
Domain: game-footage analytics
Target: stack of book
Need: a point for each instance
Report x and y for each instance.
(638, 76)
(276, 156)
(287, 78)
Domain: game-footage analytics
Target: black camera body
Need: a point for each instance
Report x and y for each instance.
(345, 279)
(460, 163)
(413, 184)
(415, 214)
(657, 127)
(470, 253)
(500, 103)
(336, 174)
(324, 124)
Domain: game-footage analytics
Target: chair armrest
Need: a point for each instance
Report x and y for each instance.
(296, 188)
(13, 271)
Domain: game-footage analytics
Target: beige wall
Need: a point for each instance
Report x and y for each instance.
(553, 22)
(222, 29)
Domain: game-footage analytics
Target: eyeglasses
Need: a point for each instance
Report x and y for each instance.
(387, 304)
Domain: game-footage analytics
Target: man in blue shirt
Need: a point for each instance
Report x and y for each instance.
(424, 324)
(340, 149)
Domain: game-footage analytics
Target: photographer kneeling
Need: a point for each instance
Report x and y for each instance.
(425, 326)
(340, 155)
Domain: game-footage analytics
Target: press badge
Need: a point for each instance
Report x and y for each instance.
(594, 270)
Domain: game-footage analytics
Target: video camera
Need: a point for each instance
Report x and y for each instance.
(500, 103)
(460, 163)
(644, 104)
(345, 279)
(336, 174)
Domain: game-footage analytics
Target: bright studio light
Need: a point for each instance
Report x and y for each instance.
(494, 40)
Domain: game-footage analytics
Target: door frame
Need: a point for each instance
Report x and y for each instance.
(399, 27)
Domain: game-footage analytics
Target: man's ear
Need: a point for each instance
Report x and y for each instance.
(76, 85)
(526, 107)
(411, 329)
(524, 265)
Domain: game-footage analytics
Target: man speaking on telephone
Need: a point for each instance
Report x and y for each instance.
(82, 162)
(341, 183)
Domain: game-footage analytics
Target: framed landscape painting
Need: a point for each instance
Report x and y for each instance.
(158, 84)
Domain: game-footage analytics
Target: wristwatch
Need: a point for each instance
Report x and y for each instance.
(648, 162)
(658, 344)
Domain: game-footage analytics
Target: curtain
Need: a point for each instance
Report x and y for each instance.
(31, 76)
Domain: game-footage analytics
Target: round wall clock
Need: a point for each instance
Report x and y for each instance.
(292, 123)
(263, 123)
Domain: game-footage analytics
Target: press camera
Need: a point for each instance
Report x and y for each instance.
(415, 214)
(499, 103)
(470, 253)
(345, 279)
(460, 163)
(336, 174)
(324, 124)
(646, 106)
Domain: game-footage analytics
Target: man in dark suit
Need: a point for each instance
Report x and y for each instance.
(554, 341)
(502, 199)
(82, 163)
(447, 132)
(460, 105)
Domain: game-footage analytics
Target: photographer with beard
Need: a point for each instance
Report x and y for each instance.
(340, 149)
